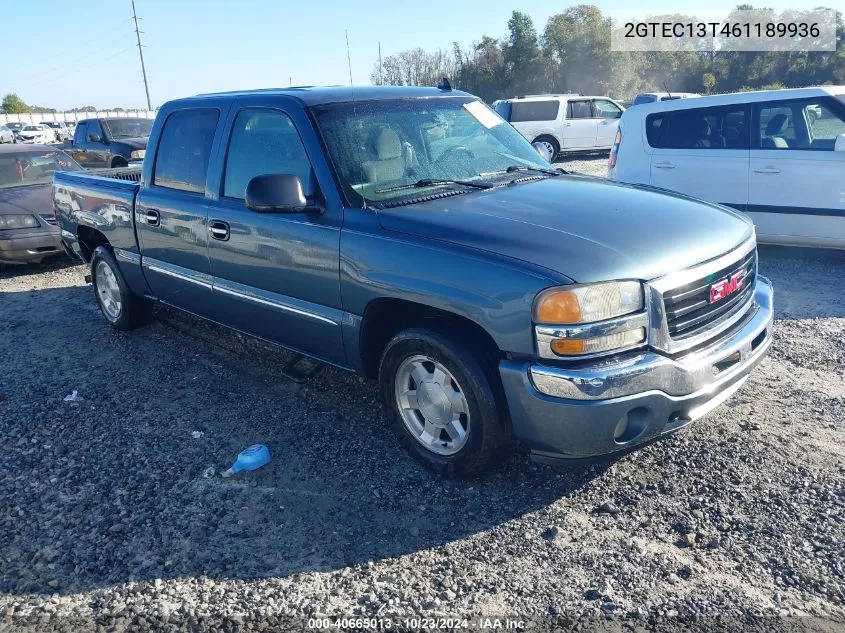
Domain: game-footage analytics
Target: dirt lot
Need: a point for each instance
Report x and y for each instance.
(109, 512)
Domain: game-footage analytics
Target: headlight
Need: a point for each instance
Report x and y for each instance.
(138, 154)
(590, 319)
(9, 222)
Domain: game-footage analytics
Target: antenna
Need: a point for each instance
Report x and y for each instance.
(352, 90)
(141, 53)
(667, 89)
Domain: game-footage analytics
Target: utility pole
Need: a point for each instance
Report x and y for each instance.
(380, 77)
(141, 53)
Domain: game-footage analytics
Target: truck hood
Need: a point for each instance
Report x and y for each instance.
(26, 199)
(584, 228)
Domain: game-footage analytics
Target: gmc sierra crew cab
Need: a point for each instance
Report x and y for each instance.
(413, 236)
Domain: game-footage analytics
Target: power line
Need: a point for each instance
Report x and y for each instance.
(141, 53)
(80, 69)
(53, 58)
(61, 70)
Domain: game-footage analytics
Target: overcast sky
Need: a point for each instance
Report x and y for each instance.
(59, 54)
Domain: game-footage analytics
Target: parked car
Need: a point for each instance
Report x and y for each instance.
(493, 296)
(651, 97)
(15, 126)
(38, 133)
(110, 142)
(28, 228)
(778, 155)
(6, 135)
(61, 129)
(563, 123)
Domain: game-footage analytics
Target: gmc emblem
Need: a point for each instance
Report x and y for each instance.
(727, 287)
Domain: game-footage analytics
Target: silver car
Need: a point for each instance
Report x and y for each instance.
(6, 135)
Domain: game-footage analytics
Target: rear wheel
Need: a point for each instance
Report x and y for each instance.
(439, 403)
(551, 145)
(122, 309)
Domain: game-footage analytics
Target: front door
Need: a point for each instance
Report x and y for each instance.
(276, 275)
(797, 180)
(171, 212)
(607, 115)
(579, 128)
(97, 151)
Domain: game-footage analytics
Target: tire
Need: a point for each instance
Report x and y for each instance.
(122, 309)
(447, 365)
(551, 142)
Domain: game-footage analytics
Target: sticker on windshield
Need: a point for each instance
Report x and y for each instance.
(483, 114)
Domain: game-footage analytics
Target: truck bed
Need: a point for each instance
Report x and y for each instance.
(98, 201)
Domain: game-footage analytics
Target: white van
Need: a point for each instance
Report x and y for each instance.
(778, 155)
(563, 123)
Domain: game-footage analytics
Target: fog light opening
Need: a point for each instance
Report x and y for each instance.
(631, 425)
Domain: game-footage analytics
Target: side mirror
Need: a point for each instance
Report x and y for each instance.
(277, 193)
(94, 138)
(839, 146)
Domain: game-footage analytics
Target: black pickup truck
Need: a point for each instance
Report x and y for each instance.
(114, 142)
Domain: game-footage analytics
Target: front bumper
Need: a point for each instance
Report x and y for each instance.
(30, 246)
(616, 404)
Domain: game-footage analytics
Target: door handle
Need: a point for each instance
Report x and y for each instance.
(767, 170)
(567, 124)
(664, 165)
(152, 217)
(219, 230)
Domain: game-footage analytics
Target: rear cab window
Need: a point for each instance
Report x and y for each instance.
(524, 111)
(724, 127)
(184, 149)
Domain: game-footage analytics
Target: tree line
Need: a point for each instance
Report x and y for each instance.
(572, 54)
(13, 104)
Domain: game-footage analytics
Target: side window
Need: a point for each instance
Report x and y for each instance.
(604, 109)
(184, 149)
(534, 111)
(653, 128)
(825, 125)
(699, 128)
(264, 142)
(94, 127)
(579, 110)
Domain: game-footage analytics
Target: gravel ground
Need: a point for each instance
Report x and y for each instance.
(114, 516)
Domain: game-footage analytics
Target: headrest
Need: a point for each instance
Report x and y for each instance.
(776, 125)
(388, 145)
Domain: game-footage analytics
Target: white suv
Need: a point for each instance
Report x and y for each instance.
(778, 155)
(563, 123)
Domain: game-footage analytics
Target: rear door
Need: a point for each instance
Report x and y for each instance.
(580, 128)
(607, 115)
(534, 118)
(701, 152)
(276, 275)
(171, 210)
(797, 180)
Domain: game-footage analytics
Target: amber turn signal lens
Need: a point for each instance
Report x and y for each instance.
(565, 346)
(558, 306)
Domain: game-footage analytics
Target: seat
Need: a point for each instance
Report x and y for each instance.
(774, 130)
(390, 161)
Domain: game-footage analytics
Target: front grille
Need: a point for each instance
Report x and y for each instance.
(688, 308)
(50, 219)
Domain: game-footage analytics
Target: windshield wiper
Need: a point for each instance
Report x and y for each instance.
(431, 182)
(513, 168)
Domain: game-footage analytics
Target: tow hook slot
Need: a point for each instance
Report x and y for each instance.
(727, 362)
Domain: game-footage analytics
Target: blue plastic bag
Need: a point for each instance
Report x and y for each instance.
(250, 459)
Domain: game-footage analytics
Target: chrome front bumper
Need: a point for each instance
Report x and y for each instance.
(701, 371)
(604, 407)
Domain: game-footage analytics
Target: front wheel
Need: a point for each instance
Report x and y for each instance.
(550, 145)
(439, 403)
(122, 309)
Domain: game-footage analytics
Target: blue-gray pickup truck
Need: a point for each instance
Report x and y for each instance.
(413, 236)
